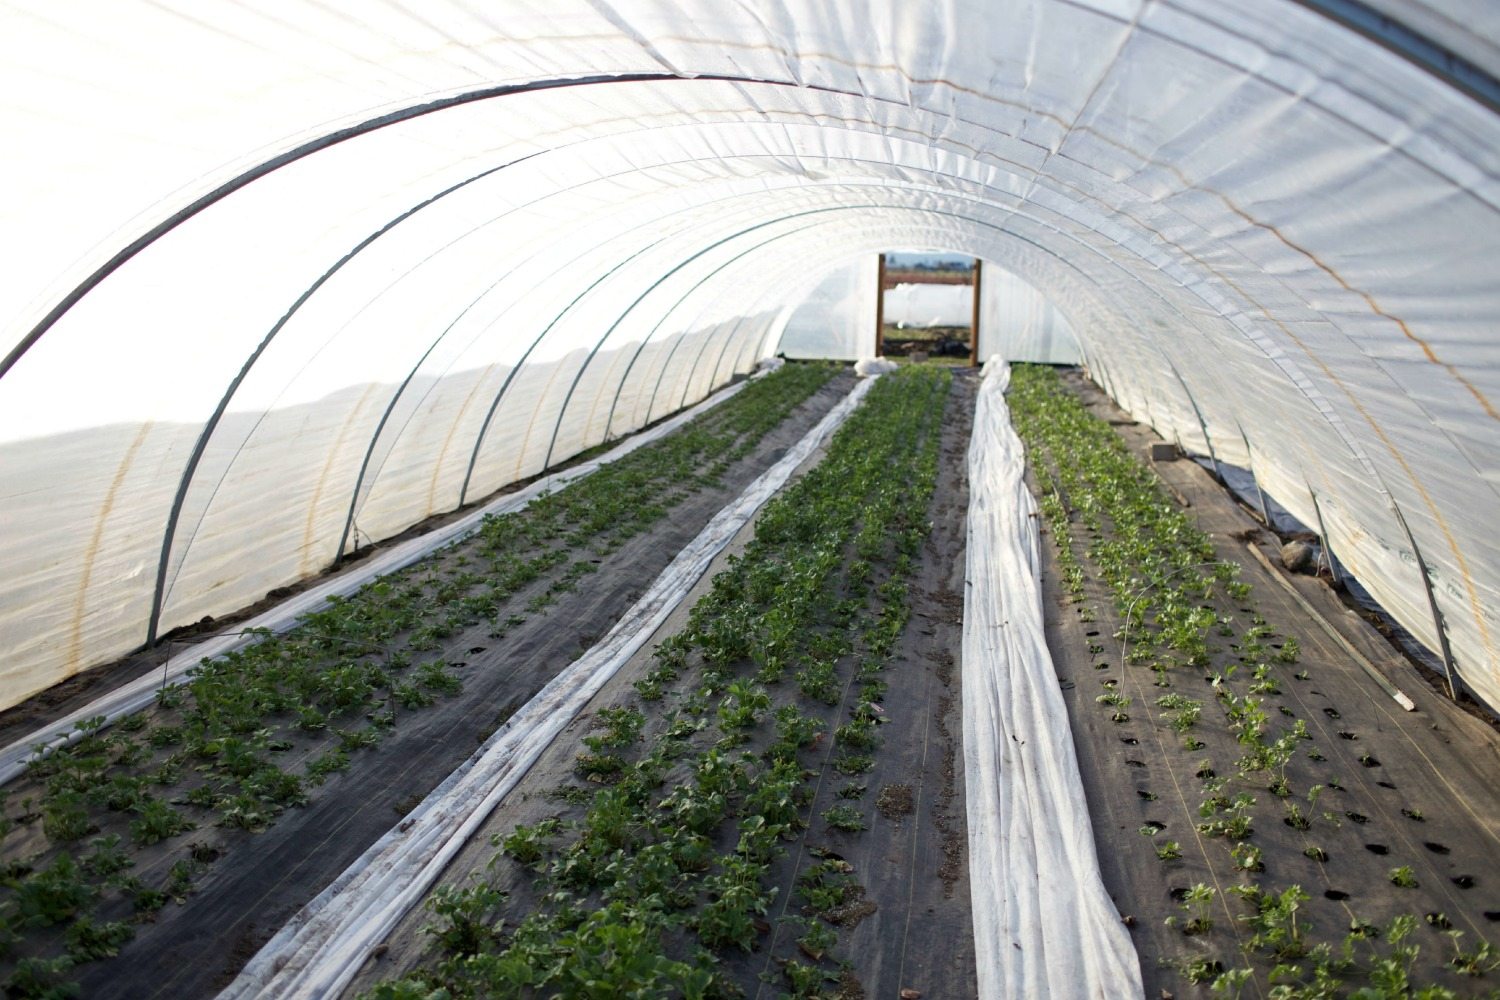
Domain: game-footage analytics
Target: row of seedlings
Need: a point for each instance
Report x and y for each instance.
(1183, 619)
(663, 881)
(103, 833)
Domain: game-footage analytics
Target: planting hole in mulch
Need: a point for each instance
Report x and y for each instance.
(1262, 746)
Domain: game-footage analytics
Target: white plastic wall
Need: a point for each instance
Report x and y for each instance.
(277, 277)
(1018, 323)
(837, 319)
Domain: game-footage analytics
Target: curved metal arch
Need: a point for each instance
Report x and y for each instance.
(697, 359)
(169, 533)
(200, 446)
(334, 138)
(718, 362)
(562, 413)
(598, 345)
(1350, 14)
(687, 388)
(520, 363)
(879, 186)
(645, 341)
(159, 597)
(578, 376)
(667, 361)
(728, 339)
(1413, 46)
(211, 425)
(463, 496)
(374, 440)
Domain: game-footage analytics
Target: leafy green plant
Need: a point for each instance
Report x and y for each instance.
(790, 604)
(1274, 922)
(737, 901)
(89, 941)
(51, 895)
(461, 917)
(1481, 960)
(1198, 903)
(529, 844)
(43, 978)
(844, 817)
(1247, 857)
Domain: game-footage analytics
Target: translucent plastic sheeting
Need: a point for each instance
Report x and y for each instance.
(303, 277)
(1019, 323)
(136, 695)
(1044, 925)
(324, 945)
(837, 318)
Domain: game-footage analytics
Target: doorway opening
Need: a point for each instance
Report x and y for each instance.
(928, 306)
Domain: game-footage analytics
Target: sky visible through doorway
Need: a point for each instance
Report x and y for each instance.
(915, 258)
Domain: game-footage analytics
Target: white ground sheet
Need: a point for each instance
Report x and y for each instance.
(1043, 924)
(321, 949)
(141, 692)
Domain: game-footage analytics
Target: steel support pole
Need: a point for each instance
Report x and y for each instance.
(1260, 495)
(1202, 424)
(1450, 669)
(880, 309)
(1333, 569)
(974, 322)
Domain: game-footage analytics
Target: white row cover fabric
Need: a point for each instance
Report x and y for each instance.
(922, 305)
(319, 951)
(1044, 925)
(280, 276)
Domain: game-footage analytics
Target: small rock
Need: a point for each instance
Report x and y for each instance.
(1299, 556)
(910, 994)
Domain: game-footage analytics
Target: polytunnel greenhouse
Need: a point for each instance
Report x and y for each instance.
(467, 530)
